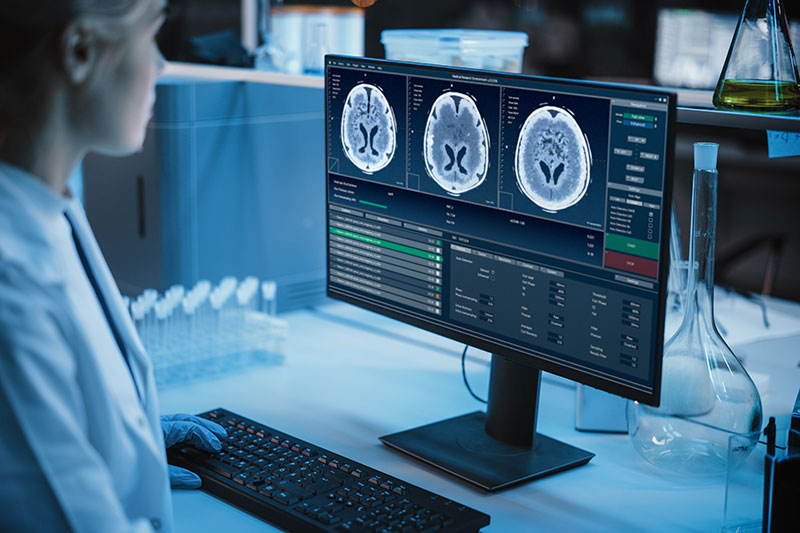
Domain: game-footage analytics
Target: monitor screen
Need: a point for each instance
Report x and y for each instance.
(525, 216)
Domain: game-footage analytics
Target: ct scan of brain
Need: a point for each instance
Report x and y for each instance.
(456, 143)
(369, 129)
(552, 159)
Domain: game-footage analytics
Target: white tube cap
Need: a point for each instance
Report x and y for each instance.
(705, 156)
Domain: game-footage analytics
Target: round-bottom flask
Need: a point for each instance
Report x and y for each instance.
(706, 394)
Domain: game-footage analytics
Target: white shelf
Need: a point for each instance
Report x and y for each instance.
(737, 119)
(694, 107)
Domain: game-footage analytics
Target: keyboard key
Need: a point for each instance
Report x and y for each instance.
(300, 493)
(285, 498)
(243, 478)
(256, 483)
(329, 519)
(323, 486)
(221, 468)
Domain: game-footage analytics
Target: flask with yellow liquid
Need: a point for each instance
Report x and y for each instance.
(760, 72)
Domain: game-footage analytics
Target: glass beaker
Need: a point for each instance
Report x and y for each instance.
(706, 394)
(760, 72)
(269, 56)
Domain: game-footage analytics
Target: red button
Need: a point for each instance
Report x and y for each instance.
(631, 263)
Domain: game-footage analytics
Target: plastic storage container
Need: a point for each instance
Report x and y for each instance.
(484, 49)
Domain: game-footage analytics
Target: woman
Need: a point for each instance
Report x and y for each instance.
(81, 443)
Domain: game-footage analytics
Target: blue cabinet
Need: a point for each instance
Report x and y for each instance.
(230, 181)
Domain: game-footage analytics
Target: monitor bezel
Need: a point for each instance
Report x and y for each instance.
(627, 391)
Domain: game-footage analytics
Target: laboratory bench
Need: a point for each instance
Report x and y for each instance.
(350, 376)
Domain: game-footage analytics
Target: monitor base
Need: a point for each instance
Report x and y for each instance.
(461, 447)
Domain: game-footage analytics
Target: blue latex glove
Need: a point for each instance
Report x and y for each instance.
(195, 431)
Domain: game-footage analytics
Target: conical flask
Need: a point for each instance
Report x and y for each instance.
(706, 394)
(760, 72)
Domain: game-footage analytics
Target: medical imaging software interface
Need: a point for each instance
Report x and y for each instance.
(518, 211)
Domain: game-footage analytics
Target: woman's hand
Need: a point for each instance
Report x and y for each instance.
(195, 431)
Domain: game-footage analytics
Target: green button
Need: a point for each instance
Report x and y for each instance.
(629, 245)
(636, 116)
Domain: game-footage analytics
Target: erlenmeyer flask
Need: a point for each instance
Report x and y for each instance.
(760, 73)
(706, 394)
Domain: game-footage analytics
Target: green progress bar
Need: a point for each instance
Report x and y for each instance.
(373, 204)
(386, 244)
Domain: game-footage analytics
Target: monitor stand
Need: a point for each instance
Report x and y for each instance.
(498, 448)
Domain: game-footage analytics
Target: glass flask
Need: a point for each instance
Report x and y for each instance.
(676, 281)
(760, 72)
(706, 394)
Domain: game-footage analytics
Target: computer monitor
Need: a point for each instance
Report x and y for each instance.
(525, 216)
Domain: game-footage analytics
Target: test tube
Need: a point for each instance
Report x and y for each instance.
(247, 303)
(159, 312)
(216, 300)
(175, 293)
(137, 313)
(150, 296)
(268, 293)
(201, 292)
(148, 320)
(189, 306)
(227, 284)
(245, 293)
(202, 287)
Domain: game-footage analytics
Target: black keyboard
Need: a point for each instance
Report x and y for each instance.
(298, 486)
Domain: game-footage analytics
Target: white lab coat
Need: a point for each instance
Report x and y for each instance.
(79, 451)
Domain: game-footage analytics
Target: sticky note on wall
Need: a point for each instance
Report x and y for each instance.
(783, 143)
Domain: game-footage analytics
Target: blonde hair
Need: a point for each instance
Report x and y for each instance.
(30, 31)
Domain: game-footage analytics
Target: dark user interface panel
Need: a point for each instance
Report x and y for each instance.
(519, 211)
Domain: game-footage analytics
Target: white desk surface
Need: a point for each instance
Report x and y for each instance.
(351, 376)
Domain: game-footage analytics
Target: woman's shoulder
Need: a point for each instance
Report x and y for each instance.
(31, 226)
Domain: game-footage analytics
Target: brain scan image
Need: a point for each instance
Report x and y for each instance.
(456, 143)
(552, 159)
(369, 129)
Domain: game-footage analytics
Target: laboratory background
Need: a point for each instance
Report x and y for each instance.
(240, 236)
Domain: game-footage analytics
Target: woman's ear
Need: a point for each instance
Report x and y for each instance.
(78, 51)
